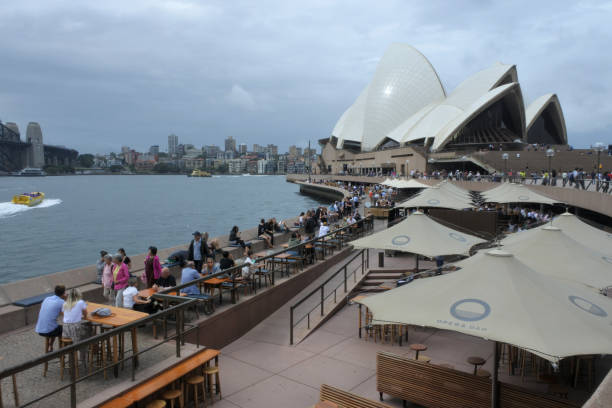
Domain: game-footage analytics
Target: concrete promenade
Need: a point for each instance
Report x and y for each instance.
(587, 199)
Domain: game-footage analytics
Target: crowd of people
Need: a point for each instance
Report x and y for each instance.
(120, 284)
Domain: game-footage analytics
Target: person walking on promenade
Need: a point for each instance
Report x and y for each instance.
(100, 266)
(51, 308)
(121, 274)
(152, 267)
(107, 279)
(197, 251)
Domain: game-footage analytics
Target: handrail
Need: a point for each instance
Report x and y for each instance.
(177, 310)
(365, 222)
(365, 260)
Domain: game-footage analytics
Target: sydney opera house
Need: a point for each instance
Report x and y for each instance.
(406, 106)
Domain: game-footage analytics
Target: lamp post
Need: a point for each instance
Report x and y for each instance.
(598, 147)
(505, 157)
(549, 153)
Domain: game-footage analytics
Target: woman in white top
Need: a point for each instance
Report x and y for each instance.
(75, 313)
(323, 229)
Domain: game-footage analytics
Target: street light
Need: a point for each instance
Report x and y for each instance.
(505, 157)
(549, 153)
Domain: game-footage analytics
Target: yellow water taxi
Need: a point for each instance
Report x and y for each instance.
(29, 199)
(199, 173)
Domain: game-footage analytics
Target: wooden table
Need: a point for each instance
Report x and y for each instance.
(283, 260)
(166, 378)
(120, 317)
(215, 283)
(147, 293)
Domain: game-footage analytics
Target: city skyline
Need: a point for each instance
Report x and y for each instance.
(137, 71)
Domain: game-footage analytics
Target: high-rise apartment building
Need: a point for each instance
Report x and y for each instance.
(230, 144)
(242, 148)
(272, 149)
(258, 148)
(154, 150)
(293, 151)
(172, 144)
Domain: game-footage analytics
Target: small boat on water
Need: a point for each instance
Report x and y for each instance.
(199, 173)
(29, 199)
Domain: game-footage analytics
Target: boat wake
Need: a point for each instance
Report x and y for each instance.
(8, 209)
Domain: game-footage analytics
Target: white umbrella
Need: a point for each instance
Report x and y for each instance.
(419, 234)
(584, 233)
(515, 193)
(549, 251)
(497, 297)
(412, 183)
(436, 197)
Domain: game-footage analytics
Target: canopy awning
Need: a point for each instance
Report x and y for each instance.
(437, 197)
(582, 232)
(419, 234)
(515, 193)
(497, 297)
(549, 251)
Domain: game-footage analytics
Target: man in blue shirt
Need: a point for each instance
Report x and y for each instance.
(50, 310)
(187, 275)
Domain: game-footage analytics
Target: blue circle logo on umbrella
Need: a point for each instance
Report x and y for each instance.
(433, 201)
(400, 240)
(456, 236)
(587, 306)
(470, 310)
(523, 198)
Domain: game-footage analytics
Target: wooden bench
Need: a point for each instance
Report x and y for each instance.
(162, 379)
(430, 385)
(344, 399)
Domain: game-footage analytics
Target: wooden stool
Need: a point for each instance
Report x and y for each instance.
(94, 349)
(171, 395)
(209, 372)
(65, 342)
(483, 373)
(48, 348)
(194, 381)
(424, 358)
(417, 348)
(476, 361)
(156, 404)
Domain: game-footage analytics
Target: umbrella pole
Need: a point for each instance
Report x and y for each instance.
(494, 382)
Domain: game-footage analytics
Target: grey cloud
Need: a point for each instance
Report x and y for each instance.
(98, 74)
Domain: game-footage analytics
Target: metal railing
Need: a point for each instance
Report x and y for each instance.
(70, 351)
(320, 290)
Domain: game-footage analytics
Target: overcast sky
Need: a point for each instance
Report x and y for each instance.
(101, 74)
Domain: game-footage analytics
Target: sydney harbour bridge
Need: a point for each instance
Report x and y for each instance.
(16, 154)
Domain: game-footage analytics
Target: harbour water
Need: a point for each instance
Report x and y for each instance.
(83, 214)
